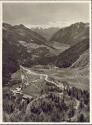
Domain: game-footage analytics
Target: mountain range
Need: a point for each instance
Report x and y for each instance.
(24, 46)
(72, 34)
(47, 33)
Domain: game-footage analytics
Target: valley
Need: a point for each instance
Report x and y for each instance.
(46, 80)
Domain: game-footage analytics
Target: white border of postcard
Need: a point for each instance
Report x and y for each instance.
(63, 1)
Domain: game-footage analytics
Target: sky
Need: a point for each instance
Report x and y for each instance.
(45, 14)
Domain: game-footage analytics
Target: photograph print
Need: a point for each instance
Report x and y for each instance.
(46, 62)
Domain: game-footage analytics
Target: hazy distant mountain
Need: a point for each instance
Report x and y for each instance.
(47, 33)
(72, 34)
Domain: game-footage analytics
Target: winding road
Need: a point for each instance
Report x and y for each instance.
(28, 71)
(25, 71)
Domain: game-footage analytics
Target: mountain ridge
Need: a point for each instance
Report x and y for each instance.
(23, 46)
(71, 34)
